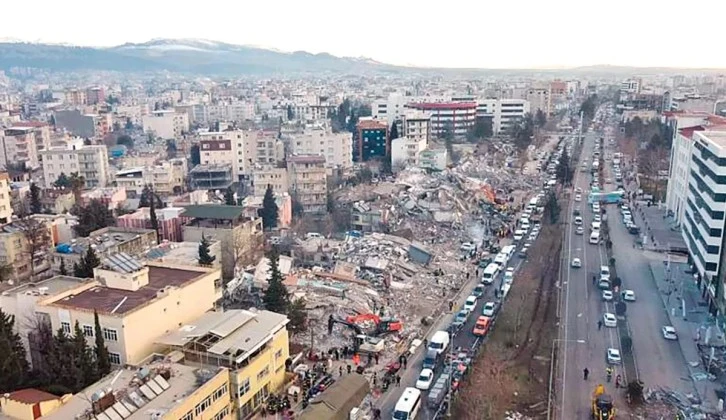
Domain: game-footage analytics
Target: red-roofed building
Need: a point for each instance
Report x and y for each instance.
(455, 117)
(30, 403)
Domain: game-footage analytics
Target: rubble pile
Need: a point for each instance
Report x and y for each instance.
(714, 359)
(666, 403)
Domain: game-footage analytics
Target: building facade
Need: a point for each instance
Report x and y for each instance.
(264, 176)
(372, 141)
(504, 113)
(337, 148)
(456, 118)
(308, 183)
(167, 124)
(90, 162)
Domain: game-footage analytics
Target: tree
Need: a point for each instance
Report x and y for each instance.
(83, 357)
(298, 316)
(552, 207)
(77, 183)
(393, 132)
(62, 269)
(94, 216)
(37, 239)
(196, 157)
(89, 261)
(171, 148)
(13, 363)
(125, 140)
(481, 129)
(103, 363)
(6, 272)
(35, 205)
(588, 107)
(269, 211)
(564, 169)
(229, 197)
(63, 181)
(129, 124)
(276, 297)
(205, 258)
(290, 113)
(147, 194)
(523, 132)
(297, 207)
(153, 220)
(448, 132)
(540, 118)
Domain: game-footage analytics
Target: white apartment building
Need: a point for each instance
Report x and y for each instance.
(503, 112)
(539, 99)
(458, 117)
(631, 86)
(18, 146)
(166, 178)
(337, 148)
(91, 162)
(703, 225)
(240, 150)
(416, 126)
(223, 112)
(405, 152)
(167, 124)
(262, 176)
(6, 208)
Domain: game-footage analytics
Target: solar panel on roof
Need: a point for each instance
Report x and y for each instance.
(154, 387)
(162, 382)
(148, 393)
(137, 400)
(112, 414)
(121, 409)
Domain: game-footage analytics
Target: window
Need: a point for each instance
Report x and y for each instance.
(260, 396)
(188, 416)
(114, 358)
(88, 330)
(199, 409)
(219, 392)
(278, 354)
(110, 334)
(244, 388)
(222, 414)
(66, 327)
(264, 372)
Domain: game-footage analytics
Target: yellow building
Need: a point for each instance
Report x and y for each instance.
(253, 345)
(14, 251)
(6, 208)
(136, 304)
(161, 390)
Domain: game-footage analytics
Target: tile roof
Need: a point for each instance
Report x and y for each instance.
(31, 396)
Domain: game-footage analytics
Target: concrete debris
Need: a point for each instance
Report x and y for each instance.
(667, 402)
(516, 416)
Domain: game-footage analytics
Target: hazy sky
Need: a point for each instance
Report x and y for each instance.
(453, 33)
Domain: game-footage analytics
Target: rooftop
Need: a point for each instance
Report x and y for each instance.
(134, 395)
(118, 301)
(307, 158)
(234, 333)
(213, 211)
(102, 240)
(49, 287)
(31, 396)
(718, 138)
(372, 125)
(443, 105)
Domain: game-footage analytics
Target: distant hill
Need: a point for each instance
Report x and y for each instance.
(178, 55)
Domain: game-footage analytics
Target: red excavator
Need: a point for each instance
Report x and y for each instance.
(382, 325)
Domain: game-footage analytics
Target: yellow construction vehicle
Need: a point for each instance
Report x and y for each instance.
(602, 404)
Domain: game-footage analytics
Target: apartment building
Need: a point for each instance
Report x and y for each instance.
(539, 99)
(83, 125)
(337, 148)
(19, 147)
(6, 208)
(405, 152)
(264, 176)
(683, 125)
(166, 178)
(416, 126)
(167, 124)
(449, 117)
(240, 150)
(136, 304)
(223, 112)
(253, 345)
(14, 252)
(254, 203)
(703, 224)
(503, 113)
(171, 391)
(631, 86)
(95, 95)
(90, 162)
(308, 182)
(434, 159)
(241, 238)
(390, 109)
(40, 129)
(76, 97)
(211, 177)
(372, 141)
(168, 219)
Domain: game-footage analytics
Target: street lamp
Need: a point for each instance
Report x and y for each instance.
(552, 370)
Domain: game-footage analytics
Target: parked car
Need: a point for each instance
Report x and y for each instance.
(609, 320)
(424, 379)
(470, 303)
(628, 295)
(613, 356)
(579, 230)
(669, 333)
(607, 295)
(576, 263)
(489, 309)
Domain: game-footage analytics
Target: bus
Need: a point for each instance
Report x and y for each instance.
(489, 273)
(408, 405)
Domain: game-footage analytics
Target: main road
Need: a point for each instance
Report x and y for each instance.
(581, 343)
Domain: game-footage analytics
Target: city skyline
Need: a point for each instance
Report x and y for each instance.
(557, 34)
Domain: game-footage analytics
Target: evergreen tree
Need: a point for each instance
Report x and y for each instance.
(89, 261)
(196, 157)
(229, 197)
(103, 364)
(94, 216)
(63, 181)
(35, 206)
(276, 297)
(13, 363)
(83, 357)
(269, 211)
(298, 317)
(205, 258)
(63, 270)
(393, 132)
(146, 195)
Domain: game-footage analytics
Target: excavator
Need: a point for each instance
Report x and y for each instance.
(602, 404)
(362, 343)
(383, 325)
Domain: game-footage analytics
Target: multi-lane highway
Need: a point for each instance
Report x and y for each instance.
(581, 343)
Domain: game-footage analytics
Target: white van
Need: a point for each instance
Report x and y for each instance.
(508, 251)
(313, 235)
(490, 273)
(439, 342)
(595, 237)
(502, 259)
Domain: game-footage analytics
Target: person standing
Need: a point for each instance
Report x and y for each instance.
(599, 325)
(585, 373)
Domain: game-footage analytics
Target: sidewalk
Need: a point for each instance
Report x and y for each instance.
(673, 293)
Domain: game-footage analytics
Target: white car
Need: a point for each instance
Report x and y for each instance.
(576, 263)
(597, 218)
(578, 197)
(470, 303)
(607, 295)
(628, 295)
(580, 230)
(669, 333)
(424, 379)
(613, 356)
(609, 320)
(488, 309)
(578, 221)
(578, 190)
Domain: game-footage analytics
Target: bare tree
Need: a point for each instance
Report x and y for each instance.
(37, 240)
